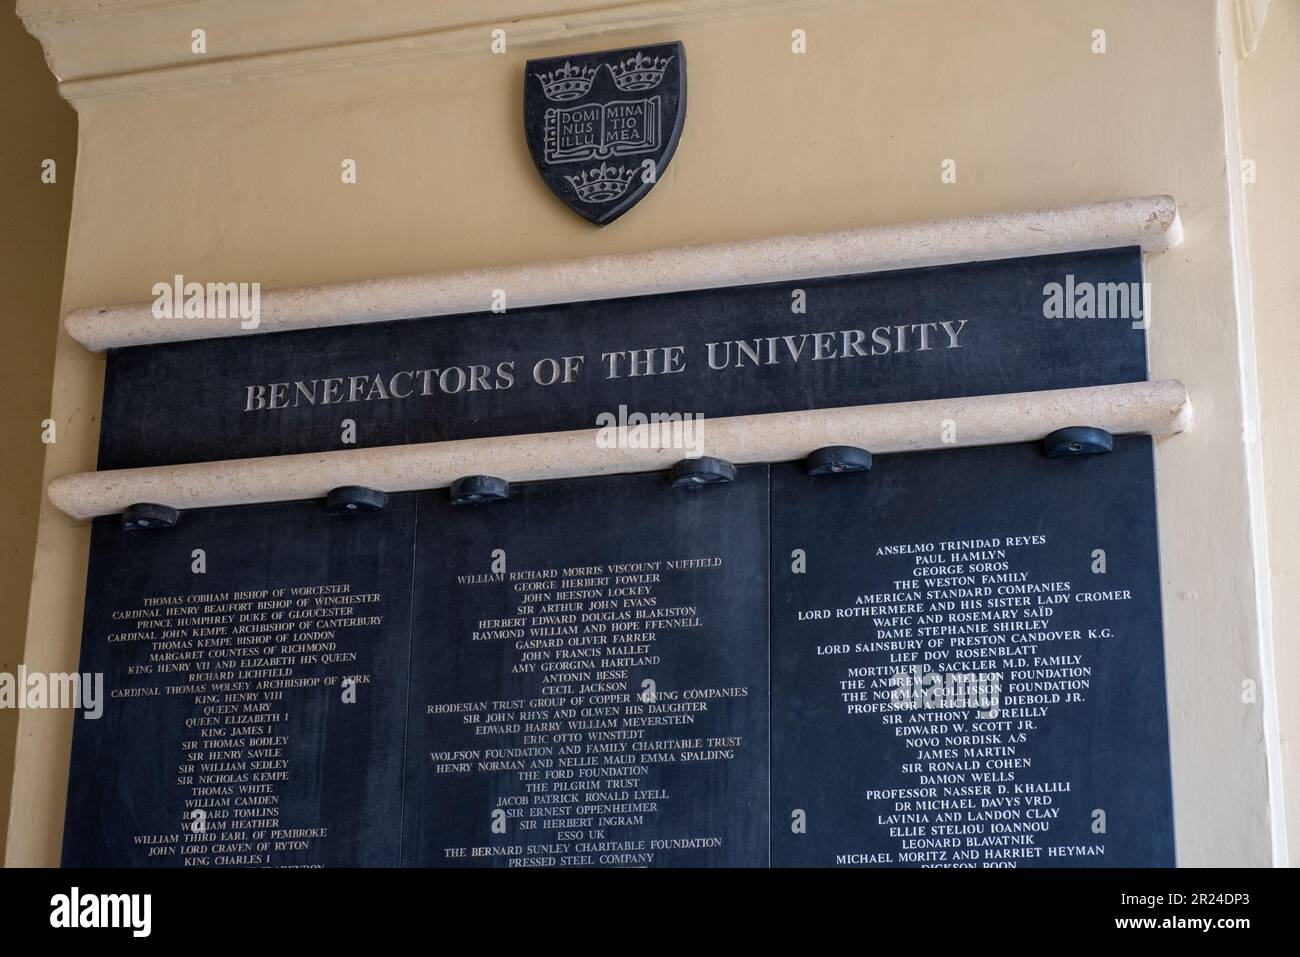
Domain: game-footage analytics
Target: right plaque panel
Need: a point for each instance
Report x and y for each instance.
(967, 663)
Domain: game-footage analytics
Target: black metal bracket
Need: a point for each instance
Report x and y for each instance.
(1077, 440)
(478, 489)
(837, 459)
(350, 499)
(692, 473)
(146, 515)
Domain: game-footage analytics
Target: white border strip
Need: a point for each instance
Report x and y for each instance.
(1158, 408)
(1150, 222)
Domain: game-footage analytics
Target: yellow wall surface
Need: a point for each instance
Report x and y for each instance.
(34, 228)
(238, 180)
(1270, 135)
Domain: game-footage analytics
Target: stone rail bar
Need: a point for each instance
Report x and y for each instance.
(1158, 408)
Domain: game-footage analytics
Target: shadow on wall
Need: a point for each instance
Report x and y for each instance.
(38, 127)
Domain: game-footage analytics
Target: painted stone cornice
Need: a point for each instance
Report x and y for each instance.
(136, 47)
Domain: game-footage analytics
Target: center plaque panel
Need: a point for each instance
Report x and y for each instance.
(589, 677)
(968, 671)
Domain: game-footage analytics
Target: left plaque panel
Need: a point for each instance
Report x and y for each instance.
(252, 712)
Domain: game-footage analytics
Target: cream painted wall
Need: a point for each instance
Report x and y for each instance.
(239, 181)
(1270, 104)
(34, 230)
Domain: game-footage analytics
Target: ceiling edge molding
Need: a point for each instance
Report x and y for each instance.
(140, 47)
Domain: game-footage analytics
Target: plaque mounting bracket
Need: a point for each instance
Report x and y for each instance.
(479, 489)
(705, 470)
(351, 499)
(1077, 440)
(146, 515)
(837, 459)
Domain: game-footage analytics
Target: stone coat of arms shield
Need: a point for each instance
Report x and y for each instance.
(602, 127)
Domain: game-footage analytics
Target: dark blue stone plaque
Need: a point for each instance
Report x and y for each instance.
(954, 659)
(600, 699)
(253, 713)
(974, 329)
(969, 670)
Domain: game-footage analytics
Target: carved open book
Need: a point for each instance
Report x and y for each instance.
(600, 130)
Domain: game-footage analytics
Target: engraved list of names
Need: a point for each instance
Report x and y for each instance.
(981, 662)
(255, 670)
(596, 699)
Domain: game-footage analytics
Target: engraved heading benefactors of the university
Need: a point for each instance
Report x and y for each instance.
(602, 127)
(974, 329)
